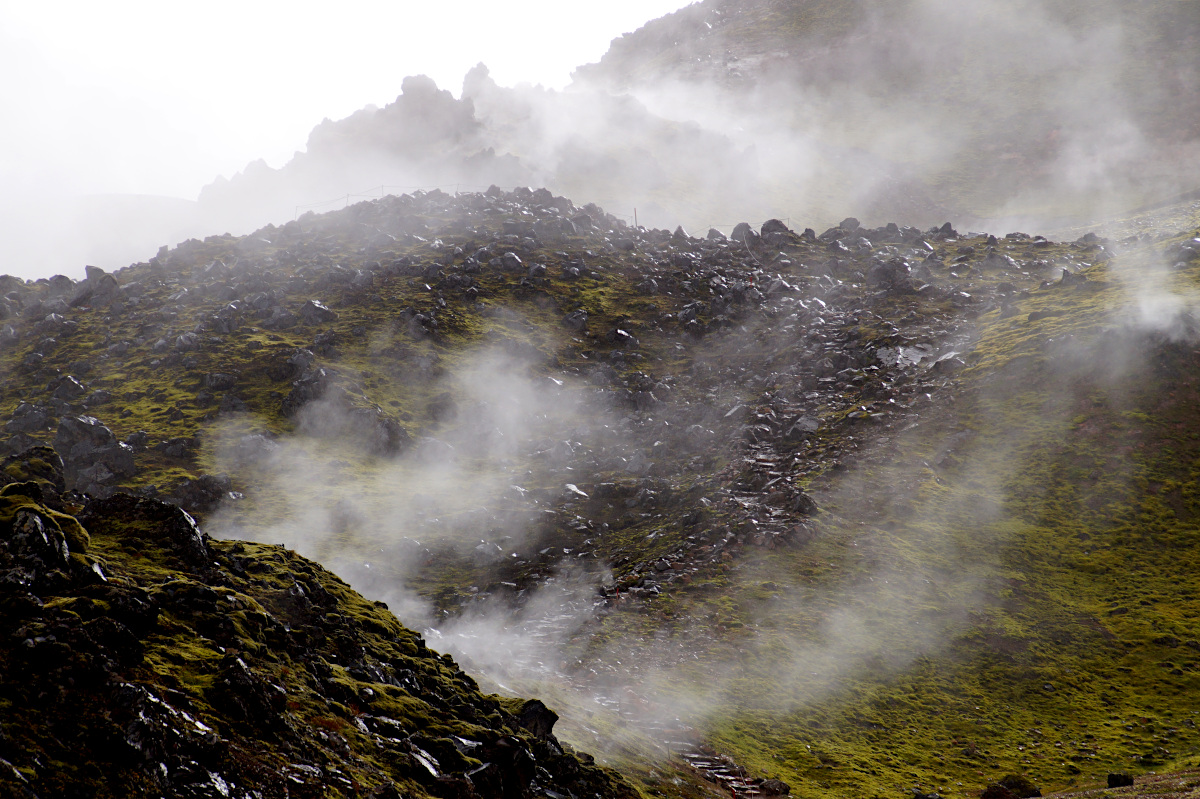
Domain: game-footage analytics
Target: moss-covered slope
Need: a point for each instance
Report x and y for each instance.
(142, 658)
(870, 510)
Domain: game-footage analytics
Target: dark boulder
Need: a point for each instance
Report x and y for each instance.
(220, 381)
(281, 319)
(294, 367)
(33, 537)
(40, 464)
(305, 390)
(231, 404)
(68, 389)
(576, 320)
(81, 431)
(40, 549)
(314, 313)
(537, 718)
(150, 522)
(1021, 786)
(138, 440)
(621, 338)
(382, 434)
(29, 418)
(188, 342)
(892, 275)
(516, 766)
(248, 697)
(203, 494)
(774, 787)
(91, 453)
(97, 398)
(254, 449)
(180, 447)
(60, 286)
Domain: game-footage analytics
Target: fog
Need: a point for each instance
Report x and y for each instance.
(921, 508)
(984, 114)
(115, 117)
(134, 130)
(996, 117)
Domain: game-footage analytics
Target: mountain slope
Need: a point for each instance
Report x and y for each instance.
(994, 109)
(870, 510)
(144, 659)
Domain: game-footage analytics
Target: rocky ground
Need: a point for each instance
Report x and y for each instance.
(657, 409)
(142, 658)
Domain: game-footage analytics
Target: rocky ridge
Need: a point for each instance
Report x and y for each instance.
(829, 332)
(729, 381)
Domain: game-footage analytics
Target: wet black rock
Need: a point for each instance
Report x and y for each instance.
(248, 697)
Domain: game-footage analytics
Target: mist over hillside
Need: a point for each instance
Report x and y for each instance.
(873, 510)
(1036, 114)
(861, 499)
(1031, 108)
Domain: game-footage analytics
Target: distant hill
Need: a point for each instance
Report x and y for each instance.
(989, 107)
(996, 114)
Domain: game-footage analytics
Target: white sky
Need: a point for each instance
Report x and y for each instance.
(159, 97)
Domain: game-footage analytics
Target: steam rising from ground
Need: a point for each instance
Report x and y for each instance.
(462, 490)
(921, 518)
(915, 526)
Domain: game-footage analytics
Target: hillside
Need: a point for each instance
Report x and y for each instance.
(143, 658)
(870, 510)
(1019, 110)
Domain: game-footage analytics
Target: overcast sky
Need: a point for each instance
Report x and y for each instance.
(146, 96)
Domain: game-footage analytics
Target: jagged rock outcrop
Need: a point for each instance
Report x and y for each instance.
(141, 658)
